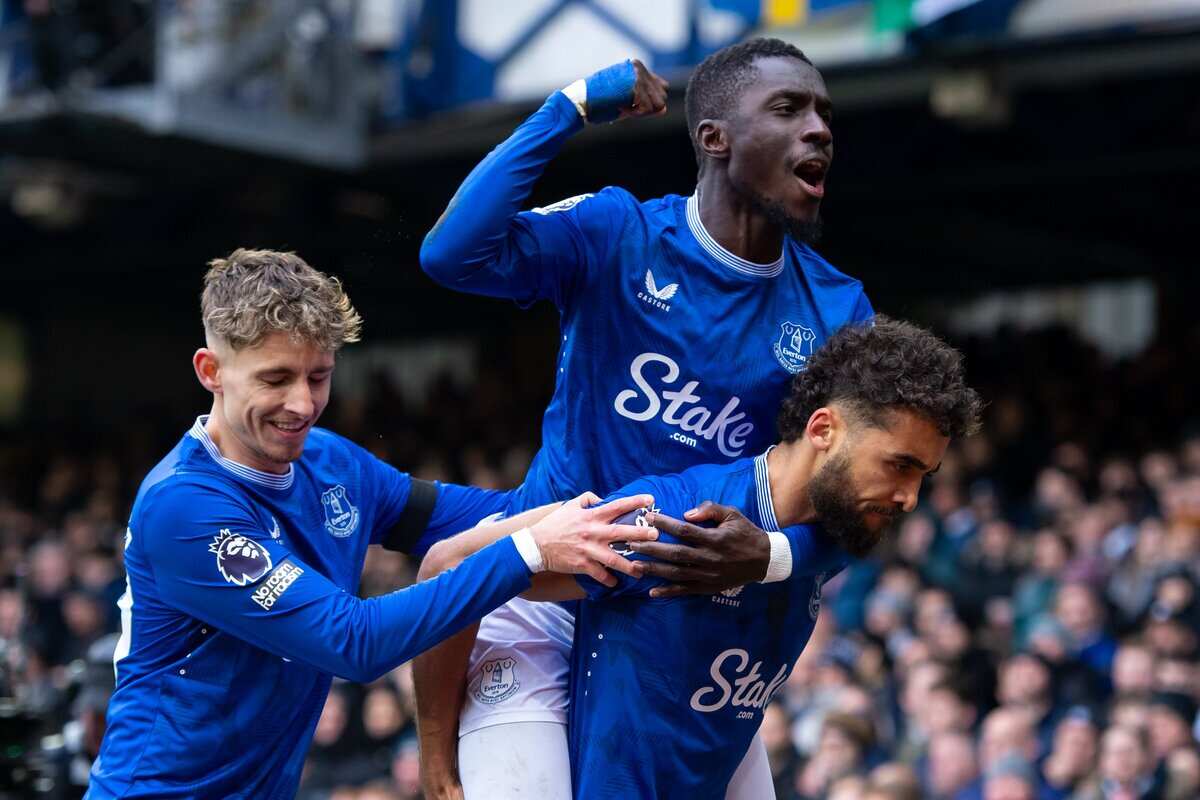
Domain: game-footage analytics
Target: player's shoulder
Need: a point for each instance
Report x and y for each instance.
(183, 466)
(188, 490)
(610, 199)
(707, 481)
(816, 267)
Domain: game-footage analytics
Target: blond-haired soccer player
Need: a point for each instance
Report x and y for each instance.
(246, 543)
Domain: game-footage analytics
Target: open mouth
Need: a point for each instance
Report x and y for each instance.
(289, 428)
(811, 174)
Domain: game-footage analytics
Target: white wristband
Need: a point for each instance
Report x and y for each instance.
(577, 94)
(529, 551)
(779, 568)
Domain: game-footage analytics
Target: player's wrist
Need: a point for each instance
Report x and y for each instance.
(577, 94)
(528, 548)
(779, 563)
(601, 96)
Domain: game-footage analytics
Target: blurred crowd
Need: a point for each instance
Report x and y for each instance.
(1030, 632)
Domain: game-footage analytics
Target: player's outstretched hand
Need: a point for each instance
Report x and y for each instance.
(734, 553)
(575, 537)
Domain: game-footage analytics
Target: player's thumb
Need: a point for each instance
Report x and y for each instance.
(587, 499)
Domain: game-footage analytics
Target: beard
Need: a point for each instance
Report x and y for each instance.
(807, 231)
(831, 492)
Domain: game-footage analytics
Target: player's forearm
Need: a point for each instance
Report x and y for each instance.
(440, 678)
(386, 631)
(449, 553)
(473, 228)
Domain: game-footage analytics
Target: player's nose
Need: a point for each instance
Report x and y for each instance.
(300, 400)
(906, 497)
(816, 131)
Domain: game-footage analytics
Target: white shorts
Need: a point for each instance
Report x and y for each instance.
(516, 761)
(519, 666)
(531, 761)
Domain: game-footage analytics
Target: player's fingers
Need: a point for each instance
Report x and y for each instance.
(622, 506)
(634, 569)
(599, 574)
(577, 502)
(683, 531)
(625, 533)
(680, 590)
(674, 553)
(588, 499)
(658, 93)
(659, 101)
(709, 511)
(677, 573)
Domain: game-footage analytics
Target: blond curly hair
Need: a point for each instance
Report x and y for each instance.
(252, 293)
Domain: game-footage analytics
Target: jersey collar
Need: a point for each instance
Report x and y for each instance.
(734, 262)
(762, 483)
(268, 479)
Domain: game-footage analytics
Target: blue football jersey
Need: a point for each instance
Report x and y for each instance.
(674, 351)
(666, 694)
(240, 607)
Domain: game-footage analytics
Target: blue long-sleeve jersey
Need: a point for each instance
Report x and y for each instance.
(241, 607)
(674, 351)
(666, 695)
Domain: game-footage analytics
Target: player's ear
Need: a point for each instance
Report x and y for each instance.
(207, 365)
(713, 139)
(821, 428)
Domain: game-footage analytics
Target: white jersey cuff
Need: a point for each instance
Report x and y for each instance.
(532, 556)
(779, 568)
(577, 94)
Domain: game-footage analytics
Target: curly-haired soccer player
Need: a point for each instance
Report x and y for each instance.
(666, 696)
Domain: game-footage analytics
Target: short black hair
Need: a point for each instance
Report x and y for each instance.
(714, 87)
(880, 367)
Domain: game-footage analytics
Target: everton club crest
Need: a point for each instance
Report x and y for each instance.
(497, 681)
(341, 516)
(795, 346)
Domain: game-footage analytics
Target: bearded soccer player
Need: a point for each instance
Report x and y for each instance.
(246, 543)
(666, 696)
(682, 321)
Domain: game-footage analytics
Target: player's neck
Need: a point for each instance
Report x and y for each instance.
(229, 447)
(736, 224)
(790, 466)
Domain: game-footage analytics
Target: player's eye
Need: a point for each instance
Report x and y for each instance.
(784, 108)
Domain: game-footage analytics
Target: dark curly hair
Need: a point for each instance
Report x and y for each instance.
(715, 85)
(877, 368)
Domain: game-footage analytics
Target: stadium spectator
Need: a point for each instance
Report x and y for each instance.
(1072, 755)
(1126, 767)
(951, 765)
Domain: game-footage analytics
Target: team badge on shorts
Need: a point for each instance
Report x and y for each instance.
(240, 560)
(497, 681)
(795, 346)
(341, 517)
